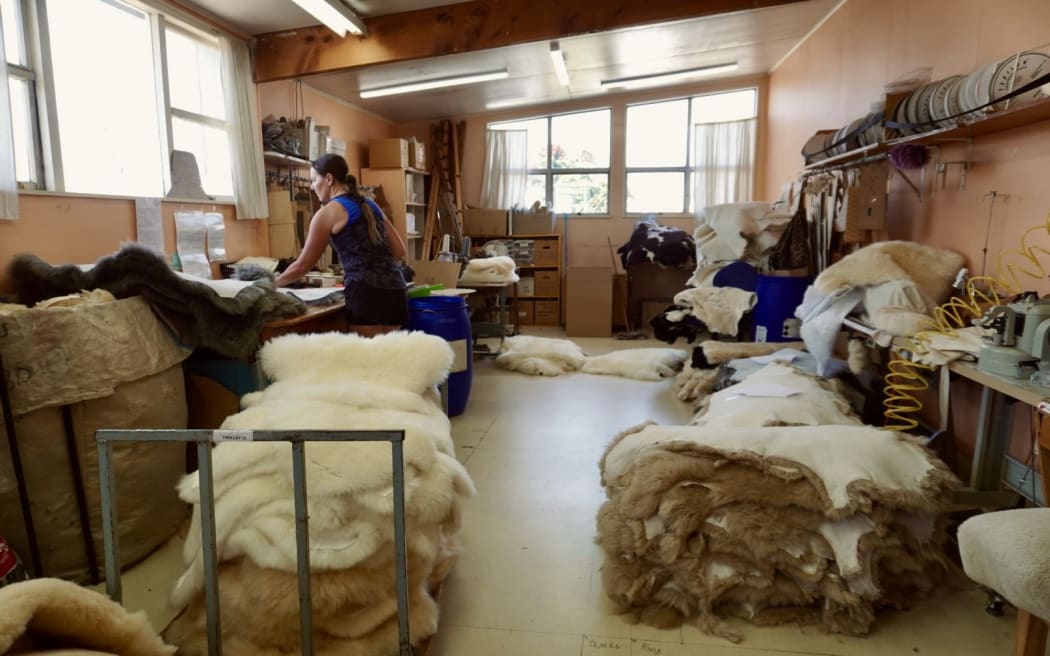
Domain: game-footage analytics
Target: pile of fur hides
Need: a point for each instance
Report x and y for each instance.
(329, 382)
(489, 271)
(664, 245)
(703, 311)
(59, 618)
(200, 316)
(897, 284)
(735, 232)
(702, 372)
(777, 524)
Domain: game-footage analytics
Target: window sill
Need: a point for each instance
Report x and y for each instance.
(68, 194)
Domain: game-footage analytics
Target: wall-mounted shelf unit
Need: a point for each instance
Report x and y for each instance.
(405, 193)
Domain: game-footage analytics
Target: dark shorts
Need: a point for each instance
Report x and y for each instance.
(372, 306)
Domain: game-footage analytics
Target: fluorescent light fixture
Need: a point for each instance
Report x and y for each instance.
(435, 83)
(504, 104)
(558, 59)
(334, 14)
(644, 80)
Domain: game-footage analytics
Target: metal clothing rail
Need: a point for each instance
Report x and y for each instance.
(206, 441)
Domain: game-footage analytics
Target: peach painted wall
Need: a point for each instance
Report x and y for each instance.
(585, 233)
(64, 229)
(349, 123)
(835, 75)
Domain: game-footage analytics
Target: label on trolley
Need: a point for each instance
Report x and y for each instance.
(462, 355)
(232, 436)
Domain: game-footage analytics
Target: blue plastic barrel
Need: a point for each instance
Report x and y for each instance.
(774, 313)
(447, 317)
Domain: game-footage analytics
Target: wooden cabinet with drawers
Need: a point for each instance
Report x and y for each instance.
(537, 297)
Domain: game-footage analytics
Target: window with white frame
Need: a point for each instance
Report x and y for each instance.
(568, 160)
(116, 106)
(21, 79)
(663, 162)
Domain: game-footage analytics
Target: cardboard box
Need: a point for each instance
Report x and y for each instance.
(619, 309)
(595, 254)
(548, 283)
(526, 312)
(387, 153)
(417, 155)
(547, 314)
(435, 273)
(545, 253)
(282, 209)
(282, 240)
(531, 223)
(589, 302)
(487, 222)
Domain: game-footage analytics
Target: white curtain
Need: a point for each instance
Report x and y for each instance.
(244, 129)
(725, 162)
(506, 169)
(8, 175)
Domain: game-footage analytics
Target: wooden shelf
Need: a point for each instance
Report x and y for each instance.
(274, 157)
(1001, 121)
(532, 267)
(407, 169)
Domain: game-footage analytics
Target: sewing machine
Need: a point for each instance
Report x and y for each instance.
(1021, 340)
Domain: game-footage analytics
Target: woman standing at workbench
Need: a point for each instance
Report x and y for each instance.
(367, 244)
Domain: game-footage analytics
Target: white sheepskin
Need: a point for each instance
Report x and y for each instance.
(640, 364)
(540, 356)
(489, 271)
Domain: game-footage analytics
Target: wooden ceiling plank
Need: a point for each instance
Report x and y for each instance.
(467, 27)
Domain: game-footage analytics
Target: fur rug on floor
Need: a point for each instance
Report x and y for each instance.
(807, 524)
(56, 617)
(200, 317)
(640, 364)
(540, 356)
(329, 382)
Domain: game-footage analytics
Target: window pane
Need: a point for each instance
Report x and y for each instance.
(22, 124)
(655, 192)
(211, 148)
(536, 190)
(14, 44)
(657, 133)
(194, 78)
(537, 139)
(731, 106)
(111, 146)
(586, 193)
(581, 140)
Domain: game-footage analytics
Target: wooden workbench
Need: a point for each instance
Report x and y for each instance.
(316, 319)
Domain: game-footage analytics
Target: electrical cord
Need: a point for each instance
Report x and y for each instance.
(979, 293)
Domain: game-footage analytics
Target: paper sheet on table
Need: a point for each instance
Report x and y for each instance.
(313, 294)
(190, 236)
(765, 390)
(783, 355)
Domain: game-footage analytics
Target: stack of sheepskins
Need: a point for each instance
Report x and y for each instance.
(777, 506)
(329, 382)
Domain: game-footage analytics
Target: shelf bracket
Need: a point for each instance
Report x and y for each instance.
(922, 181)
(941, 168)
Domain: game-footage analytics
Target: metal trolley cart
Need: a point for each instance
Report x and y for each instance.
(206, 441)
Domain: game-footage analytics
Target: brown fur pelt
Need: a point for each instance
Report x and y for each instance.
(717, 352)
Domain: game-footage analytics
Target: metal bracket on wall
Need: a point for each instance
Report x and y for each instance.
(941, 168)
(916, 188)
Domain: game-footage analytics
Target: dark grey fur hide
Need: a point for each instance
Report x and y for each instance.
(199, 316)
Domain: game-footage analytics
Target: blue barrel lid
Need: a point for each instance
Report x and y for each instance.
(437, 303)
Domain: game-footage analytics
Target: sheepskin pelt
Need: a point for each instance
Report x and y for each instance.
(719, 308)
(540, 356)
(330, 382)
(489, 271)
(692, 384)
(705, 523)
(640, 363)
(715, 352)
(52, 616)
(228, 326)
(1009, 551)
(931, 269)
(778, 394)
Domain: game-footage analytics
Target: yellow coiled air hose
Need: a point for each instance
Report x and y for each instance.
(904, 377)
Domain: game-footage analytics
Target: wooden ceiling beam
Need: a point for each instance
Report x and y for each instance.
(467, 27)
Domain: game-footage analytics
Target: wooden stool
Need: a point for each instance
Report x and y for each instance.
(1009, 552)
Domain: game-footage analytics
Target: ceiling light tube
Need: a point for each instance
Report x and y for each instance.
(434, 83)
(558, 59)
(334, 14)
(643, 80)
